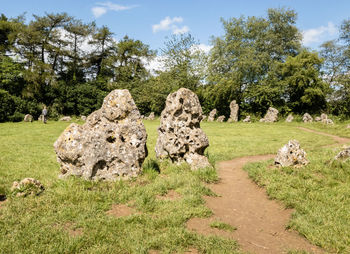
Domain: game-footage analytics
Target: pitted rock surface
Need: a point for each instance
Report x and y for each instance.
(28, 118)
(324, 119)
(110, 145)
(291, 155)
(220, 119)
(83, 118)
(307, 118)
(318, 119)
(27, 186)
(270, 116)
(289, 118)
(233, 111)
(212, 115)
(343, 155)
(180, 136)
(247, 120)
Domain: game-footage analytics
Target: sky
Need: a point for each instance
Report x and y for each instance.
(152, 21)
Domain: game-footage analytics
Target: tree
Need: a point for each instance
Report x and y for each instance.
(245, 57)
(305, 91)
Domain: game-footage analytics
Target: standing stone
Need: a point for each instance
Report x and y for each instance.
(289, 118)
(27, 186)
(270, 116)
(318, 119)
(247, 119)
(66, 119)
(212, 115)
(234, 111)
(111, 144)
(28, 118)
(307, 118)
(180, 136)
(150, 117)
(220, 119)
(343, 155)
(291, 155)
(41, 118)
(325, 119)
(83, 118)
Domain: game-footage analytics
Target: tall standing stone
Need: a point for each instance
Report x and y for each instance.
(180, 136)
(234, 111)
(270, 116)
(110, 145)
(212, 115)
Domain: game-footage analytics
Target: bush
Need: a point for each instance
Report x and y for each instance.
(16, 117)
(7, 105)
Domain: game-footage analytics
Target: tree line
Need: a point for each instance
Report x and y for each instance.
(70, 66)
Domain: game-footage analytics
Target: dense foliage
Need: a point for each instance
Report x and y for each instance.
(69, 66)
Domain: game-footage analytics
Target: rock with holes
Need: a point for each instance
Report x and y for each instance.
(220, 119)
(289, 118)
(110, 145)
(343, 155)
(291, 155)
(233, 112)
(307, 118)
(28, 118)
(247, 119)
(180, 136)
(318, 119)
(83, 118)
(27, 186)
(212, 115)
(66, 119)
(270, 116)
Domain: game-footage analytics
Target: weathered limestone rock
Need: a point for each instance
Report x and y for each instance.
(27, 186)
(150, 117)
(220, 119)
(83, 118)
(291, 155)
(318, 119)
(247, 120)
(212, 115)
(325, 119)
(343, 155)
(307, 118)
(180, 136)
(110, 145)
(66, 118)
(233, 111)
(270, 116)
(28, 118)
(289, 118)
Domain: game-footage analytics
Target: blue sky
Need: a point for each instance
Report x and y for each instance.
(151, 21)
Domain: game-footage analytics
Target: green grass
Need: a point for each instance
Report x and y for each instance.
(222, 226)
(39, 224)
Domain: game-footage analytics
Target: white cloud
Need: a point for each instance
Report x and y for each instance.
(181, 30)
(98, 11)
(202, 47)
(102, 8)
(319, 34)
(170, 24)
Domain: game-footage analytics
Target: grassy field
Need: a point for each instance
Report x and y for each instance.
(70, 216)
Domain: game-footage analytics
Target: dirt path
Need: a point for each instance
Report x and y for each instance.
(261, 222)
(338, 140)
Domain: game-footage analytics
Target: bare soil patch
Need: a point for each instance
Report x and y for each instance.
(120, 210)
(171, 195)
(261, 222)
(72, 231)
(338, 140)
